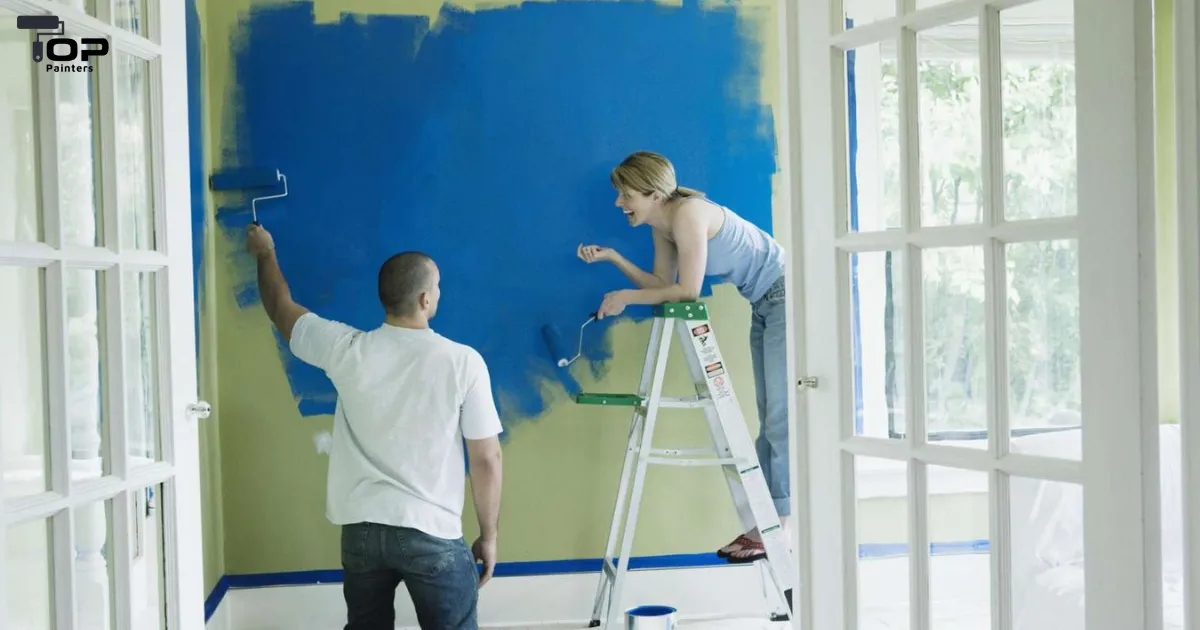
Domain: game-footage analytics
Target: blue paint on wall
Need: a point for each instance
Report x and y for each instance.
(487, 144)
(196, 131)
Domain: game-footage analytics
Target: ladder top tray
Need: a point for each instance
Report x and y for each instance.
(612, 400)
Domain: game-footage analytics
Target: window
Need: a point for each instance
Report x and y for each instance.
(1038, 96)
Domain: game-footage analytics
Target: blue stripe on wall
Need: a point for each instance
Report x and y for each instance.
(877, 551)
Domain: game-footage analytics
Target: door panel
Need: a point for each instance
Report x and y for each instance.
(101, 479)
(975, 247)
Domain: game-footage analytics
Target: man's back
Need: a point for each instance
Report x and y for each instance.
(406, 399)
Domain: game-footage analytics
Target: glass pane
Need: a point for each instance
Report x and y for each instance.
(881, 509)
(141, 367)
(130, 15)
(951, 147)
(960, 573)
(955, 346)
(925, 4)
(94, 583)
(1038, 92)
(23, 396)
(133, 164)
(859, 12)
(877, 343)
(89, 6)
(20, 186)
(1043, 341)
(873, 138)
(28, 593)
(1047, 553)
(148, 570)
(86, 411)
(78, 161)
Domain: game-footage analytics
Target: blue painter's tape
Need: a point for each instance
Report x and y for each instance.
(214, 598)
(583, 565)
(244, 179)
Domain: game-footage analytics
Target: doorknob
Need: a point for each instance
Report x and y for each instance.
(199, 409)
(807, 381)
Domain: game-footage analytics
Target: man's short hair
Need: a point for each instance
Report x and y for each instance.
(402, 279)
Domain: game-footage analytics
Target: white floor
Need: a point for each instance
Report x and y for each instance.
(718, 598)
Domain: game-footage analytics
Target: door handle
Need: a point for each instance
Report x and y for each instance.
(199, 409)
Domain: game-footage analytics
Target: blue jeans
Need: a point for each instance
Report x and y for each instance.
(768, 351)
(440, 575)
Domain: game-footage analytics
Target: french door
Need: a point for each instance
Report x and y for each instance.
(975, 184)
(98, 409)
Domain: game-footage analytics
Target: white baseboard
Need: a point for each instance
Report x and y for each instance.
(544, 601)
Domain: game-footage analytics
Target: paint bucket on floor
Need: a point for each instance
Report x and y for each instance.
(650, 618)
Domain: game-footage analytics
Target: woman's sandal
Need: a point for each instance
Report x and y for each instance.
(748, 544)
(741, 540)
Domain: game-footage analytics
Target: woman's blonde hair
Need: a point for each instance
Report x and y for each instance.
(647, 173)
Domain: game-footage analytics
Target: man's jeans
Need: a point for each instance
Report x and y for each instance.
(768, 351)
(440, 575)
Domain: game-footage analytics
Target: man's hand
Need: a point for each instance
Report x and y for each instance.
(259, 242)
(485, 552)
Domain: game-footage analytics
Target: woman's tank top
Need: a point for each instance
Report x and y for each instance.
(741, 253)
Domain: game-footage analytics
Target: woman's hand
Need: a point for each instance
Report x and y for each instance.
(594, 253)
(614, 304)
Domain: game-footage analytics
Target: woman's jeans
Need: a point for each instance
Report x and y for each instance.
(768, 350)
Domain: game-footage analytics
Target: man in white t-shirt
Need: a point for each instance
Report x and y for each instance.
(407, 398)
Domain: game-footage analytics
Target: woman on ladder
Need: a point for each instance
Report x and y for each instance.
(694, 238)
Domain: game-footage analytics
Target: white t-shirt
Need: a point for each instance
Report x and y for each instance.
(406, 399)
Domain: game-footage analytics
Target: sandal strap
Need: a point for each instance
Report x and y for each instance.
(742, 540)
(752, 544)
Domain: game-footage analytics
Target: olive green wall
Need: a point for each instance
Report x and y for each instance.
(212, 505)
(1168, 265)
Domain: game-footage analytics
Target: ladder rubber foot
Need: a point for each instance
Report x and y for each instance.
(780, 618)
(595, 623)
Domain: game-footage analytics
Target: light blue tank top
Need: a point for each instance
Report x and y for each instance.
(741, 253)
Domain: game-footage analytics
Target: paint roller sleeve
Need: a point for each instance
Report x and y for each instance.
(553, 341)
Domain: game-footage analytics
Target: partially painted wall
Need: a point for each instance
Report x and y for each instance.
(484, 137)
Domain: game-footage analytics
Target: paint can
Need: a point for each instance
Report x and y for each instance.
(650, 618)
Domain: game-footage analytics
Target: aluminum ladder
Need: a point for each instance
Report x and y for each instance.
(733, 450)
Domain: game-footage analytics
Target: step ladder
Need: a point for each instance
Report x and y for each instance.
(733, 450)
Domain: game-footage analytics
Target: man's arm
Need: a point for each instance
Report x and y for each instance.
(486, 465)
(272, 288)
(481, 426)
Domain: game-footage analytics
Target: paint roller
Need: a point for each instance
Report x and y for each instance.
(553, 341)
(250, 178)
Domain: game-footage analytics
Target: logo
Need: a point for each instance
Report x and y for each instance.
(700, 330)
(61, 49)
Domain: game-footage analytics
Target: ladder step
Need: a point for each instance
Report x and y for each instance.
(689, 402)
(704, 461)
